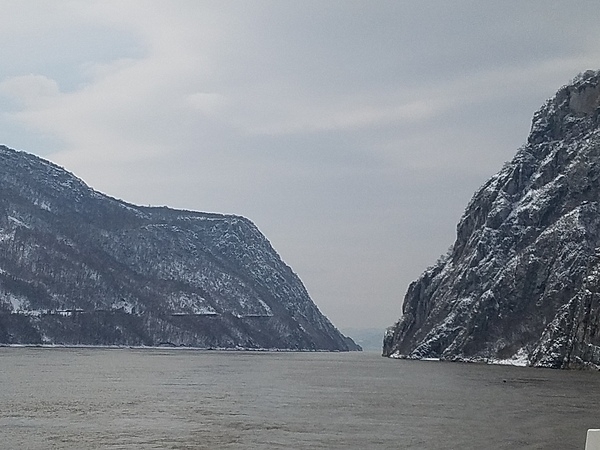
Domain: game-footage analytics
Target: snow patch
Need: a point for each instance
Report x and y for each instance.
(190, 304)
(15, 302)
(4, 236)
(123, 305)
(18, 222)
(521, 358)
(42, 204)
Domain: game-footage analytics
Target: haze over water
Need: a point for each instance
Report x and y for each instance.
(89, 398)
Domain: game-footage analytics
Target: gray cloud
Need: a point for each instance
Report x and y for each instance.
(353, 133)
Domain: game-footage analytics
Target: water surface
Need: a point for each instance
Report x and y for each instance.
(86, 398)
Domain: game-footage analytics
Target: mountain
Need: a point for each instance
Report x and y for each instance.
(521, 283)
(79, 267)
(369, 339)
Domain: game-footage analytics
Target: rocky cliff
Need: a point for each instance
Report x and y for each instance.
(79, 267)
(522, 281)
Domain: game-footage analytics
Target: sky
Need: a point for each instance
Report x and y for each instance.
(352, 133)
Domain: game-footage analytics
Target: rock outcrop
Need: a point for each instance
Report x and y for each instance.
(80, 268)
(522, 281)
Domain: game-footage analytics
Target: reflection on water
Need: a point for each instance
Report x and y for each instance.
(187, 399)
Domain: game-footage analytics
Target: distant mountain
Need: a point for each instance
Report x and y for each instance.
(79, 267)
(522, 282)
(369, 339)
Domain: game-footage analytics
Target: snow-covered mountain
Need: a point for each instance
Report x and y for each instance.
(522, 281)
(79, 267)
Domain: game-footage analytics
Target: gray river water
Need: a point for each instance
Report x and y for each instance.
(89, 398)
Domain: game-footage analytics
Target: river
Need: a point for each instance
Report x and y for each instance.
(93, 398)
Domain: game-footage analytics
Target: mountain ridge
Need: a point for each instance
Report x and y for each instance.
(78, 267)
(519, 284)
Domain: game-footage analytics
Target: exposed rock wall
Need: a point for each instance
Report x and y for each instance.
(521, 280)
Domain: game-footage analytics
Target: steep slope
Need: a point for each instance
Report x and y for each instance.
(79, 267)
(522, 280)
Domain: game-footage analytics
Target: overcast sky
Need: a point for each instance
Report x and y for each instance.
(353, 133)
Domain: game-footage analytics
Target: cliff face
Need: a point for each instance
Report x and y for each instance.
(79, 267)
(522, 280)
